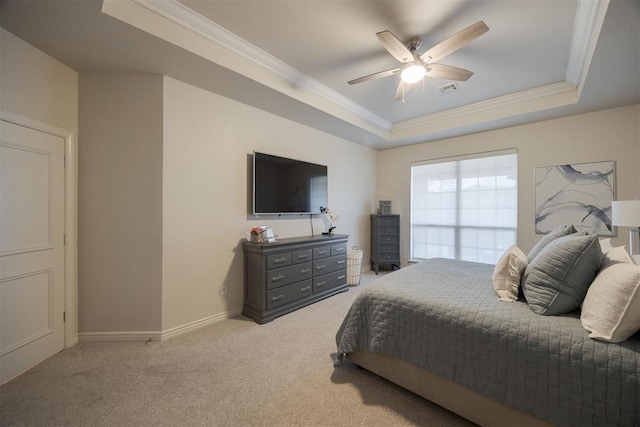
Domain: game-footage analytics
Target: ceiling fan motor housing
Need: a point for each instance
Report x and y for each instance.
(414, 44)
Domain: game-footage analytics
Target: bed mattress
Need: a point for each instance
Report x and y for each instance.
(444, 316)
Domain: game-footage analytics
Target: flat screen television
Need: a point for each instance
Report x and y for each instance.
(287, 186)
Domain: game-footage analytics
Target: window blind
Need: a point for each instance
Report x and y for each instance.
(464, 208)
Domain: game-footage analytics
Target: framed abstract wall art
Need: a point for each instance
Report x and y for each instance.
(578, 194)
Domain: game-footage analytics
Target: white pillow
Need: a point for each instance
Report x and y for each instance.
(605, 245)
(507, 273)
(611, 309)
(618, 253)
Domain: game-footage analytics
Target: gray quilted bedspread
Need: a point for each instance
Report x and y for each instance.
(443, 315)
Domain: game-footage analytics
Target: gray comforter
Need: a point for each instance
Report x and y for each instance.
(443, 315)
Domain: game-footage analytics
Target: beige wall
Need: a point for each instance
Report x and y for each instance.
(163, 200)
(120, 203)
(37, 86)
(208, 140)
(604, 135)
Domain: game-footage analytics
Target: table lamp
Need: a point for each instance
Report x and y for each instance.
(626, 213)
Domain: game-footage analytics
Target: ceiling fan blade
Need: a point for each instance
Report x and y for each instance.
(395, 46)
(402, 90)
(374, 76)
(455, 42)
(448, 72)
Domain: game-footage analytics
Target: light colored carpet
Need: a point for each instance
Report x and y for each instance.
(232, 373)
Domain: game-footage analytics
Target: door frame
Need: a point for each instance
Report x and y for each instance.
(70, 218)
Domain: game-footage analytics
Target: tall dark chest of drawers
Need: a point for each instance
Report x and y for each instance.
(284, 276)
(385, 241)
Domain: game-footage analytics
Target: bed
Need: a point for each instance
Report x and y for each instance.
(438, 329)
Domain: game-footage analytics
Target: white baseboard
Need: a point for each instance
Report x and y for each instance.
(119, 336)
(156, 335)
(183, 329)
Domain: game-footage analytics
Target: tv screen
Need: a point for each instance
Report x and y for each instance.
(287, 186)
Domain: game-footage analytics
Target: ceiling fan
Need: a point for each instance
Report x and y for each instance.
(415, 67)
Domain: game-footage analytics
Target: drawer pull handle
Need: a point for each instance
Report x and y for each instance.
(340, 249)
(321, 284)
(321, 267)
(305, 256)
(277, 278)
(305, 271)
(340, 262)
(323, 252)
(341, 277)
(280, 260)
(277, 297)
(305, 289)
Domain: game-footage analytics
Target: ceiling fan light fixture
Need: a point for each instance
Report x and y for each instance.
(413, 73)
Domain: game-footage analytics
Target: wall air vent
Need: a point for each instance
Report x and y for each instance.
(451, 87)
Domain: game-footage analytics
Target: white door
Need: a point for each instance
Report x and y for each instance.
(31, 248)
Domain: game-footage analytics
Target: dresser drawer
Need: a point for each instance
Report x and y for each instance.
(286, 275)
(287, 294)
(388, 239)
(385, 249)
(388, 231)
(340, 249)
(278, 260)
(301, 256)
(329, 264)
(328, 281)
(389, 221)
(389, 258)
(322, 252)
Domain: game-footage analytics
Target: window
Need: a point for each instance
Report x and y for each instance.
(465, 208)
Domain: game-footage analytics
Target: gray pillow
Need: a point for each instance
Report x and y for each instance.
(557, 279)
(561, 231)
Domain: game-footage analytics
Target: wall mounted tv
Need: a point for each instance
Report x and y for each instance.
(287, 186)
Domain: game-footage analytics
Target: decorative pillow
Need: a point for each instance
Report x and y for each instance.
(620, 254)
(508, 272)
(561, 231)
(605, 245)
(557, 279)
(611, 309)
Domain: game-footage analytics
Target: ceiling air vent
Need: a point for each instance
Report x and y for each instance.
(451, 87)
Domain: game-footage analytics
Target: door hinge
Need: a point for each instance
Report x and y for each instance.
(64, 316)
(66, 161)
(64, 239)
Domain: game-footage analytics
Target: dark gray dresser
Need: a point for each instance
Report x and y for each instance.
(283, 276)
(385, 241)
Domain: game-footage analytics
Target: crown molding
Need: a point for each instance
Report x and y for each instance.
(180, 14)
(587, 25)
(586, 31)
(507, 100)
(553, 95)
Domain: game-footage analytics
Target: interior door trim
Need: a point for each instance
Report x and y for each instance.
(70, 217)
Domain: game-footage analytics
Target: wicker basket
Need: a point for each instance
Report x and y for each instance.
(354, 266)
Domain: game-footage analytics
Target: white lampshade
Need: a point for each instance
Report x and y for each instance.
(625, 213)
(413, 73)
